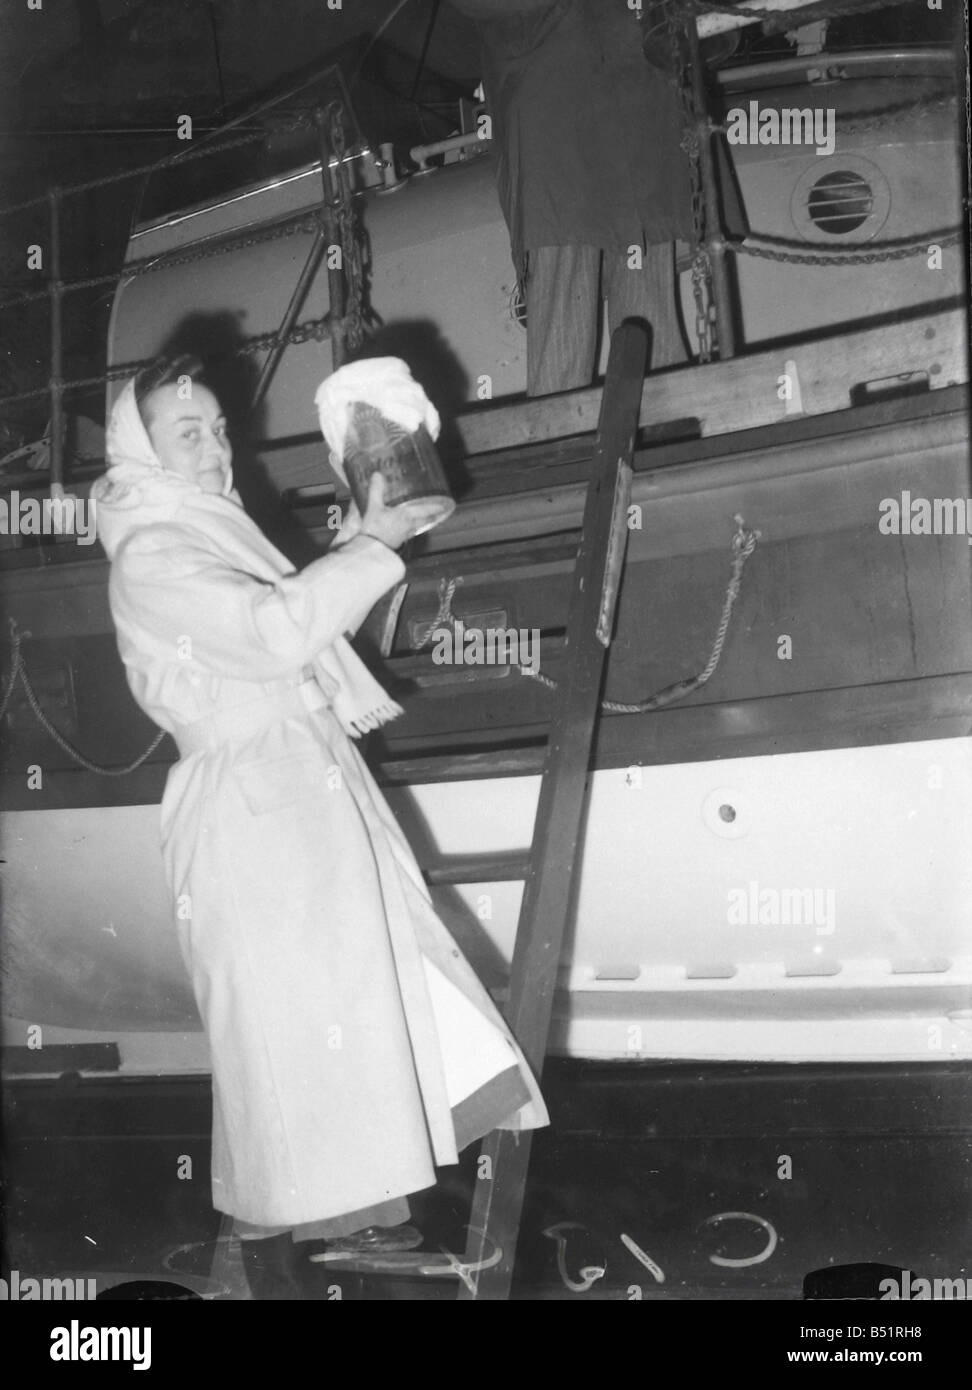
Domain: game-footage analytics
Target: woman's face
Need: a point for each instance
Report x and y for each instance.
(189, 436)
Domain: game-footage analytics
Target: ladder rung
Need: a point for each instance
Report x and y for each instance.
(464, 767)
(428, 1264)
(479, 868)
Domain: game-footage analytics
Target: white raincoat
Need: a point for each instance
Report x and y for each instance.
(352, 1045)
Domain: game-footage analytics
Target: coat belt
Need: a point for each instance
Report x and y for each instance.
(240, 722)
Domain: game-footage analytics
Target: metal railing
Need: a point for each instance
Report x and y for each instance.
(333, 224)
(682, 20)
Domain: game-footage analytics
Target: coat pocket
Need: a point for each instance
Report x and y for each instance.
(274, 784)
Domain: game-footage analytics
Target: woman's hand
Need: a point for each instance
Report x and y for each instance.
(350, 526)
(393, 525)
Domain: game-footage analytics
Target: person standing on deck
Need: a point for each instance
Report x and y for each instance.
(592, 179)
(352, 1046)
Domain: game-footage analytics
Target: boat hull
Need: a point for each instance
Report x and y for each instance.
(773, 869)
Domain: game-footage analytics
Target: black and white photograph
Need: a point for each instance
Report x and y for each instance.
(486, 666)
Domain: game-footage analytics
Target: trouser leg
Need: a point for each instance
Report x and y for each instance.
(563, 311)
(648, 293)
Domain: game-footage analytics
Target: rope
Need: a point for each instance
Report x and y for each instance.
(19, 669)
(447, 589)
(743, 544)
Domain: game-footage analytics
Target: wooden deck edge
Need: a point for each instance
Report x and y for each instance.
(718, 398)
(744, 392)
(904, 711)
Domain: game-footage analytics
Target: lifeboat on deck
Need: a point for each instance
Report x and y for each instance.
(775, 868)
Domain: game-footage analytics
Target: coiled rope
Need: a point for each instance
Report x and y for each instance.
(743, 544)
(18, 671)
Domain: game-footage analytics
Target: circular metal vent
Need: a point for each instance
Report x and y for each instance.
(840, 202)
(847, 197)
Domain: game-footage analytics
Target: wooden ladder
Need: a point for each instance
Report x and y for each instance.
(485, 1271)
(553, 861)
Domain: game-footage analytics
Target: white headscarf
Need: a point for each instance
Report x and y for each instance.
(137, 491)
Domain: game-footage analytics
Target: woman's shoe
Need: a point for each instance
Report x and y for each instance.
(377, 1240)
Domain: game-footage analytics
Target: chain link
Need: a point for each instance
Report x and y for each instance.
(318, 330)
(356, 319)
(204, 252)
(353, 324)
(676, 16)
(352, 240)
(876, 255)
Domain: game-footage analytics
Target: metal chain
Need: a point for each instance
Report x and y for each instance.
(675, 18)
(204, 252)
(784, 252)
(743, 544)
(317, 329)
(879, 252)
(19, 670)
(353, 322)
(303, 222)
(351, 240)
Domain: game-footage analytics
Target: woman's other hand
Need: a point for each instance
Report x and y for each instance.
(393, 525)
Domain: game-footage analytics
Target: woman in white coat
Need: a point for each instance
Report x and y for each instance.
(352, 1046)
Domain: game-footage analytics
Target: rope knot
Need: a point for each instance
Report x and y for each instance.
(447, 589)
(745, 538)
